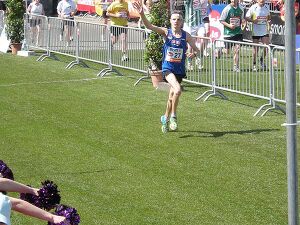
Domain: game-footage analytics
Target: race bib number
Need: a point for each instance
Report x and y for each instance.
(261, 20)
(123, 14)
(236, 21)
(174, 55)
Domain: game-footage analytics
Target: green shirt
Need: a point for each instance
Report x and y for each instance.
(193, 15)
(232, 15)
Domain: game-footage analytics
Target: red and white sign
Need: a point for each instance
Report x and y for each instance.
(86, 6)
(90, 6)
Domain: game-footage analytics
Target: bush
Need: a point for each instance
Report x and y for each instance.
(14, 20)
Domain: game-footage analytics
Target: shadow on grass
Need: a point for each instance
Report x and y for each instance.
(216, 134)
(84, 172)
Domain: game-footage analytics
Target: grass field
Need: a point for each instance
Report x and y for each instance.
(99, 140)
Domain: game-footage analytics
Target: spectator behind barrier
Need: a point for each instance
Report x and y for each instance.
(66, 9)
(34, 10)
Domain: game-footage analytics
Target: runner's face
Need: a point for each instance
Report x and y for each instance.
(261, 2)
(234, 2)
(149, 4)
(176, 20)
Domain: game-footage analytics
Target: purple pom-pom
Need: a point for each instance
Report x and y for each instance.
(70, 213)
(48, 196)
(5, 171)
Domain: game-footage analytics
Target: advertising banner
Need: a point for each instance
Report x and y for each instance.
(95, 6)
(216, 28)
(86, 6)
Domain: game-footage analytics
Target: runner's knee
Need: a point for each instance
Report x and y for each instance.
(177, 91)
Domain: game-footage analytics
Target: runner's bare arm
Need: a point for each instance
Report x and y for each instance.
(160, 30)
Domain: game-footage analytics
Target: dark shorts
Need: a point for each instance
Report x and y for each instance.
(69, 22)
(34, 22)
(259, 37)
(104, 14)
(179, 77)
(238, 37)
(206, 20)
(116, 31)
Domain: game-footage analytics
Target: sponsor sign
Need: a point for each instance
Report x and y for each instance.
(216, 29)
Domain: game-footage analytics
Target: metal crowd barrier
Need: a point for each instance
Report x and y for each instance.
(36, 31)
(82, 41)
(91, 47)
(128, 51)
(279, 74)
(202, 67)
(244, 79)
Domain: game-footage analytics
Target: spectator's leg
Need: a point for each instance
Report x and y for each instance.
(265, 40)
(254, 54)
(236, 54)
(124, 43)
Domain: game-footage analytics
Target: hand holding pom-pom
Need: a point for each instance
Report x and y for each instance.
(5, 171)
(47, 197)
(71, 215)
(31, 198)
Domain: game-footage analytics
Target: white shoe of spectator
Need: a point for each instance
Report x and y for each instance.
(198, 63)
(190, 66)
(254, 69)
(236, 69)
(205, 53)
(124, 58)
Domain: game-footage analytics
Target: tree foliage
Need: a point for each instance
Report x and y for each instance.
(14, 20)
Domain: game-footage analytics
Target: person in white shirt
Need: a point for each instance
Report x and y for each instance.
(8, 203)
(259, 15)
(35, 10)
(66, 10)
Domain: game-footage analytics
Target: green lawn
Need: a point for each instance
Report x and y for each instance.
(99, 140)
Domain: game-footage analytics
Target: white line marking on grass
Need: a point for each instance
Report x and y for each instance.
(55, 81)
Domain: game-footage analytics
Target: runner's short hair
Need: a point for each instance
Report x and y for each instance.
(178, 12)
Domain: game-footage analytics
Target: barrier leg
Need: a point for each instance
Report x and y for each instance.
(141, 78)
(212, 92)
(76, 62)
(46, 55)
(105, 71)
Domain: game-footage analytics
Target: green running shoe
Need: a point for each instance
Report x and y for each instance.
(173, 123)
(164, 122)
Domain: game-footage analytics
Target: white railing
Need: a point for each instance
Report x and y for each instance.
(92, 42)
